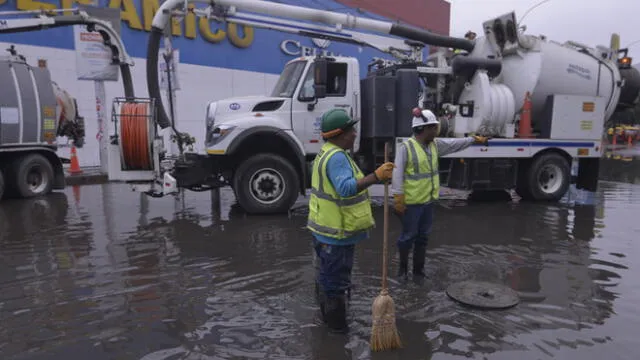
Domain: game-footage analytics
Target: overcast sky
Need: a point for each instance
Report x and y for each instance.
(586, 21)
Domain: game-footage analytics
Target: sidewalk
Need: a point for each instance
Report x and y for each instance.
(89, 175)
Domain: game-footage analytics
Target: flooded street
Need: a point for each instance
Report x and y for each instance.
(101, 272)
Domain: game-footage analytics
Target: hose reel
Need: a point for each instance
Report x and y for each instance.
(136, 131)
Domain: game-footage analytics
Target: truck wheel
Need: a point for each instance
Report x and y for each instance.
(548, 178)
(1, 184)
(266, 183)
(33, 176)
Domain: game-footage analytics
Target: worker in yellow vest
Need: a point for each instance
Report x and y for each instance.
(471, 36)
(416, 185)
(340, 213)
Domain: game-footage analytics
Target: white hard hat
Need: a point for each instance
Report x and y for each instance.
(423, 117)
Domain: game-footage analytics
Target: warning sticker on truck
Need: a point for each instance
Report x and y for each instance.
(9, 115)
(49, 124)
(586, 125)
(588, 106)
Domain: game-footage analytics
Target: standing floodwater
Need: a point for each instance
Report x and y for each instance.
(105, 273)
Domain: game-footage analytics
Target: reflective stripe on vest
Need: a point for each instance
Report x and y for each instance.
(421, 177)
(330, 214)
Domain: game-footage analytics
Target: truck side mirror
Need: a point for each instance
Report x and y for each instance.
(320, 78)
(320, 91)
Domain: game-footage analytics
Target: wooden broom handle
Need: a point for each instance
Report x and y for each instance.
(386, 223)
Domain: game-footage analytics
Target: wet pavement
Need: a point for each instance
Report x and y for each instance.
(99, 272)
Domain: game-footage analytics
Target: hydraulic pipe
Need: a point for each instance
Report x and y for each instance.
(466, 66)
(322, 16)
(163, 15)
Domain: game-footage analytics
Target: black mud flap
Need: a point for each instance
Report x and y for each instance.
(59, 178)
(588, 174)
(197, 171)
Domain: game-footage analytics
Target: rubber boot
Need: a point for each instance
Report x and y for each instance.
(336, 315)
(418, 259)
(321, 299)
(404, 262)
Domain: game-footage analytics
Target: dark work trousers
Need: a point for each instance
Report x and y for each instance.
(416, 226)
(333, 265)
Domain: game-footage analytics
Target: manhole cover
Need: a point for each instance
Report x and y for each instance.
(483, 294)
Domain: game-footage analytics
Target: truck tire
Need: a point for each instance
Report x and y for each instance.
(266, 184)
(32, 176)
(547, 179)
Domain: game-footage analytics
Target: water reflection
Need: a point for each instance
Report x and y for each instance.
(621, 165)
(541, 251)
(104, 273)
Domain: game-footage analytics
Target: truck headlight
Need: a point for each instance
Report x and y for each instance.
(220, 132)
(210, 117)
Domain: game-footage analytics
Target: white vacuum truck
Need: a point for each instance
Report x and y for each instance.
(543, 104)
(34, 110)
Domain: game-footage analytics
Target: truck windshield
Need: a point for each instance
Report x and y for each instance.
(289, 79)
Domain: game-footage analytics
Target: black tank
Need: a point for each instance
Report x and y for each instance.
(631, 88)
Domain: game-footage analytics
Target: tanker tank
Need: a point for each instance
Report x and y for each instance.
(549, 68)
(543, 68)
(43, 110)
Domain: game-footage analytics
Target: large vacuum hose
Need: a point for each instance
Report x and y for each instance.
(153, 84)
(70, 20)
(429, 38)
(127, 81)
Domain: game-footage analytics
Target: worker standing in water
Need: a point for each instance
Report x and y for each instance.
(340, 213)
(416, 185)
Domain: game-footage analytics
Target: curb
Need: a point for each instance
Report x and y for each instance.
(88, 176)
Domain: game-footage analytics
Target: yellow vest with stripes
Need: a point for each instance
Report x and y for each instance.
(332, 215)
(421, 177)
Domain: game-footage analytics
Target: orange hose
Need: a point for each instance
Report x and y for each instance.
(134, 134)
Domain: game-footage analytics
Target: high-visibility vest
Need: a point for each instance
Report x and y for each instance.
(421, 176)
(330, 214)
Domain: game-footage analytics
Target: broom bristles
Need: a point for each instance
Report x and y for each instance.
(384, 333)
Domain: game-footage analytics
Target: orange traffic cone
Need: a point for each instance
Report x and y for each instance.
(75, 165)
(525, 118)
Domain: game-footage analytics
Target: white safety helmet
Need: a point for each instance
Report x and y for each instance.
(423, 117)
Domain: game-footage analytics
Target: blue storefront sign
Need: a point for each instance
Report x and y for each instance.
(200, 41)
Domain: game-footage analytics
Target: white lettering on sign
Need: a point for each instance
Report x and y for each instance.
(295, 48)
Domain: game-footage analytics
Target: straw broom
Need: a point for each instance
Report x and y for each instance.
(384, 333)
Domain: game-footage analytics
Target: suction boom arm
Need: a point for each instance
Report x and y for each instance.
(228, 10)
(340, 20)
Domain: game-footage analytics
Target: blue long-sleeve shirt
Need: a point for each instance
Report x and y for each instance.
(344, 182)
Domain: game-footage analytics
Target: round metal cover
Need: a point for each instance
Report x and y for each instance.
(483, 294)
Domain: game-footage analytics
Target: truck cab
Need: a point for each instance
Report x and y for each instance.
(263, 146)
